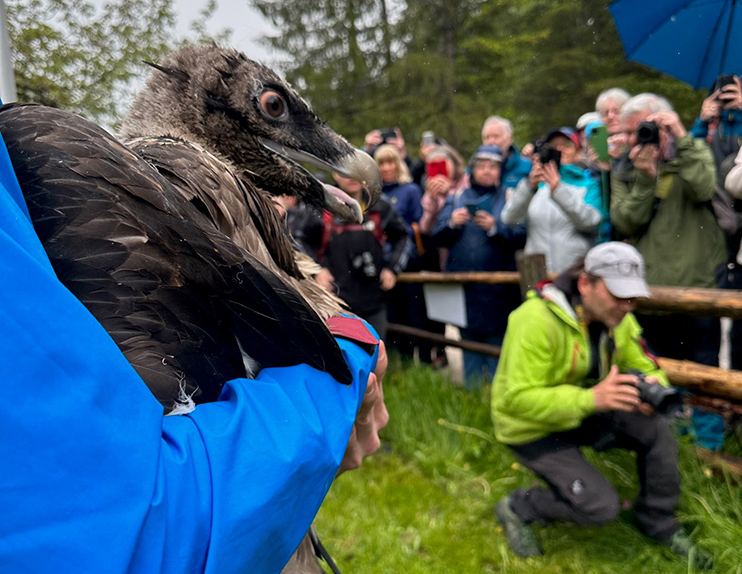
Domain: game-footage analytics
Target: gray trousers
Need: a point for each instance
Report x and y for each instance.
(578, 493)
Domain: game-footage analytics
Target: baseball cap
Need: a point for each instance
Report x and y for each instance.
(620, 266)
(568, 133)
(489, 152)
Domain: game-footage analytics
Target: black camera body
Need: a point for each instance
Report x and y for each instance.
(387, 134)
(664, 400)
(647, 133)
(546, 154)
(722, 81)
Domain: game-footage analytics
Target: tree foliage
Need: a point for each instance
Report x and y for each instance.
(88, 58)
(446, 65)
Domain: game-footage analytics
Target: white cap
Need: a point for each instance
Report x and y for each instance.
(620, 266)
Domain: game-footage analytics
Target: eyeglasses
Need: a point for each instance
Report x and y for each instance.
(625, 268)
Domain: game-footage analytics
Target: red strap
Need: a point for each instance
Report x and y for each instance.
(353, 329)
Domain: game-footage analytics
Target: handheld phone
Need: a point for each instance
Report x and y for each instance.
(599, 142)
(722, 81)
(473, 208)
(437, 167)
(428, 138)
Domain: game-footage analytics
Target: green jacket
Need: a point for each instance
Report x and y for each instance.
(670, 219)
(540, 386)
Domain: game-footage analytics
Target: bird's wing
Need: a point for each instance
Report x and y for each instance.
(238, 209)
(171, 290)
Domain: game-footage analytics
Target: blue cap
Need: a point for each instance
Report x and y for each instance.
(488, 152)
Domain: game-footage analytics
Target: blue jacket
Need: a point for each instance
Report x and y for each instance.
(514, 169)
(472, 249)
(94, 478)
(405, 198)
(730, 125)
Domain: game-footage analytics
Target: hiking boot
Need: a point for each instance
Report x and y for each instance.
(681, 545)
(521, 538)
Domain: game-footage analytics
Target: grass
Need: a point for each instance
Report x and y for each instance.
(424, 503)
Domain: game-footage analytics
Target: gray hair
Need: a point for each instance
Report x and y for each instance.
(647, 102)
(618, 95)
(504, 122)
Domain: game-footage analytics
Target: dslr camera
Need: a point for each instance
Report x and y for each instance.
(663, 400)
(546, 154)
(647, 133)
(387, 134)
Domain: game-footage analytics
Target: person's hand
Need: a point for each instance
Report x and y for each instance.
(551, 175)
(372, 140)
(616, 145)
(438, 185)
(670, 122)
(527, 151)
(460, 216)
(711, 107)
(325, 279)
(387, 279)
(730, 96)
(425, 149)
(646, 159)
(484, 219)
(372, 417)
(536, 175)
(592, 157)
(644, 408)
(616, 392)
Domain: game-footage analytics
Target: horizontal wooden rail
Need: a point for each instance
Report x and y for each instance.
(699, 378)
(684, 300)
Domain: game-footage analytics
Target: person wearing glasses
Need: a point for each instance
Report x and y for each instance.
(661, 193)
(564, 382)
(560, 202)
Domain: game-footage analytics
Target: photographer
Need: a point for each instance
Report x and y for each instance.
(560, 202)
(720, 120)
(661, 194)
(563, 384)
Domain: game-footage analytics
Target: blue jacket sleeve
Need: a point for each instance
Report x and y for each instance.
(96, 480)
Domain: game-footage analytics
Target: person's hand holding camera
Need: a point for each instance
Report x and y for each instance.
(669, 122)
(711, 107)
(460, 216)
(438, 186)
(617, 392)
(484, 219)
(372, 140)
(536, 175)
(646, 159)
(551, 175)
(730, 96)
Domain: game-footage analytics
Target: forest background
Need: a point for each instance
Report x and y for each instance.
(441, 65)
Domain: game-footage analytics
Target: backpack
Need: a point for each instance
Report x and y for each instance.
(331, 227)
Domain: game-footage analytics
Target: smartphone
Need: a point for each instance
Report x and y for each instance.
(388, 133)
(473, 208)
(722, 81)
(437, 167)
(428, 138)
(599, 142)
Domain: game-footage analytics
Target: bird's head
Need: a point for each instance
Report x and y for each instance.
(245, 113)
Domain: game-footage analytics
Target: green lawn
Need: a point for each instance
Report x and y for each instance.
(424, 504)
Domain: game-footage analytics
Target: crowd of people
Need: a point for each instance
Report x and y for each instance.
(624, 198)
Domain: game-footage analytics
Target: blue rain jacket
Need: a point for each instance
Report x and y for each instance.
(94, 479)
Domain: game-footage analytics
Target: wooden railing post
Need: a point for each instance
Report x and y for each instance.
(532, 268)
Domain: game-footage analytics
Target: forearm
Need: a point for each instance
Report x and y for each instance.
(571, 200)
(516, 209)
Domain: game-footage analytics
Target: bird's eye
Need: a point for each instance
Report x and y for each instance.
(273, 104)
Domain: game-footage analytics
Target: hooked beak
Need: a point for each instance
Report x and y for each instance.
(358, 166)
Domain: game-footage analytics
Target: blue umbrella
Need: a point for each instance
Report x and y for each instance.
(692, 40)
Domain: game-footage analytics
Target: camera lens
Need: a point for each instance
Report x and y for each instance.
(647, 133)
